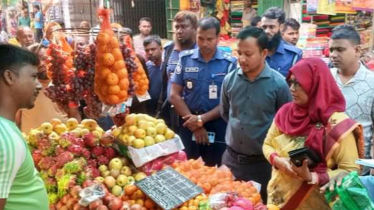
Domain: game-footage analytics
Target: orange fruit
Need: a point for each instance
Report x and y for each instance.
(111, 79)
(103, 71)
(122, 73)
(107, 59)
(149, 204)
(139, 194)
(192, 208)
(104, 90)
(124, 84)
(207, 187)
(117, 54)
(140, 202)
(122, 94)
(112, 99)
(114, 89)
(113, 43)
(103, 49)
(103, 38)
(119, 64)
(256, 197)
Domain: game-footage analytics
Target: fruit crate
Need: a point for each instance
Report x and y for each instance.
(147, 154)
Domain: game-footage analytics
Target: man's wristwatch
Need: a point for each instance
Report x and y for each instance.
(199, 121)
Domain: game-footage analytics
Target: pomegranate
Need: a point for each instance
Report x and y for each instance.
(115, 204)
(74, 191)
(94, 204)
(102, 207)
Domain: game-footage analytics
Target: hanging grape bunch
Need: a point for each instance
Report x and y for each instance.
(131, 66)
(59, 71)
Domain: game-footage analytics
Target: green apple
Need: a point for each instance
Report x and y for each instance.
(76, 132)
(105, 174)
(96, 133)
(121, 180)
(140, 117)
(160, 121)
(138, 143)
(47, 128)
(159, 138)
(142, 124)
(53, 136)
(139, 176)
(149, 141)
(130, 180)
(130, 140)
(161, 128)
(100, 179)
(116, 190)
(84, 131)
(116, 132)
(115, 163)
(139, 133)
(169, 134)
(126, 171)
(71, 123)
(130, 119)
(109, 181)
(151, 131)
(103, 168)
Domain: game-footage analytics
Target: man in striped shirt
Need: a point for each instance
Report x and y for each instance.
(20, 184)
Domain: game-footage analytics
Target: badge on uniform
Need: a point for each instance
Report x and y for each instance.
(192, 69)
(213, 94)
(189, 85)
(178, 69)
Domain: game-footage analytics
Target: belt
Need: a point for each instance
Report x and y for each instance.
(245, 158)
(197, 113)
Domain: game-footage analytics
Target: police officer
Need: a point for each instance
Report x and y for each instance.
(185, 24)
(195, 93)
(281, 56)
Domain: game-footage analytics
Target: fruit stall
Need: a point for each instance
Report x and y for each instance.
(138, 164)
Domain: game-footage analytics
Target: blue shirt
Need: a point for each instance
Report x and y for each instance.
(39, 24)
(250, 106)
(284, 58)
(155, 85)
(195, 76)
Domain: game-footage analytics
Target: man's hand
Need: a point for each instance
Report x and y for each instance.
(284, 165)
(201, 136)
(190, 122)
(303, 171)
(334, 180)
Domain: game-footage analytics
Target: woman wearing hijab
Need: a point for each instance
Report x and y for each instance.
(313, 120)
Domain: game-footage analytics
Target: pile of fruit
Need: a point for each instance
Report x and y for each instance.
(141, 130)
(111, 79)
(216, 180)
(68, 154)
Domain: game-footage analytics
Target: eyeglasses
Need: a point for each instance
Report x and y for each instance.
(293, 83)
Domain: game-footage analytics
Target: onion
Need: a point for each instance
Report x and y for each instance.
(65, 199)
(63, 208)
(125, 206)
(79, 207)
(59, 205)
(136, 207)
(94, 204)
(75, 191)
(115, 204)
(107, 199)
(71, 202)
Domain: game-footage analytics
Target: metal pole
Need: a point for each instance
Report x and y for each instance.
(91, 18)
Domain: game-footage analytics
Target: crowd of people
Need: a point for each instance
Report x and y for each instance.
(246, 112)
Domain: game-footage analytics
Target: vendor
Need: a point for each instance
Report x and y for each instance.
(248, 13)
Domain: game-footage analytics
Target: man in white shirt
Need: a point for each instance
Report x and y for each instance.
(145, 28)
(354, 79)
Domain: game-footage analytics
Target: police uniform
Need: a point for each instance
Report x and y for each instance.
(284, 58)
(201, 82)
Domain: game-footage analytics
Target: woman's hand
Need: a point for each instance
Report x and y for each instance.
(284, 165)
(303, 171)
(334, 180)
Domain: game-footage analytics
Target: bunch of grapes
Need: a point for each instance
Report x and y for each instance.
(60, 72)
(131, 66)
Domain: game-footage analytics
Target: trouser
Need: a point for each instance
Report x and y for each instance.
(211, 154)
(38, 34)
(249, 168)
(368, 182)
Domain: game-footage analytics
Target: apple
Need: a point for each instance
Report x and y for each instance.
(100, 179)
(60, 128)
(121, 180)
(124, 130)
(89, 124)
(109, 181)
(143, 124)
(84, 131)
(160, 121)
(97, 134)
(55, 121)
(105, 174)
(140, 117)
(126, 171)
(124, 139)
(116, 132)
(161, 128)
(139, 133)
(169, 134)
(130, 120)
(138, 143)
(115, 163)
(114, 173)
(149, 141)
(103, 168)
(159, 138)
(151, 131)
(130, 140)
(131, 129)
(53, 136)
(47, 128)
(116, 190)
(71, 123)
(139, 176)
(130, 180)
(76, 132)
